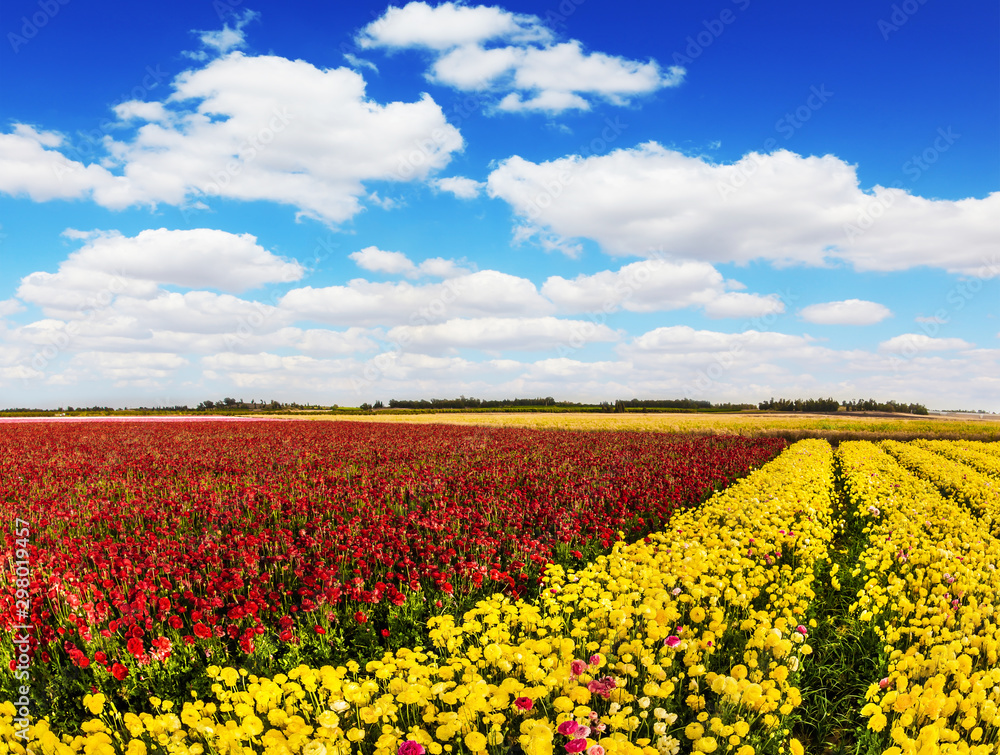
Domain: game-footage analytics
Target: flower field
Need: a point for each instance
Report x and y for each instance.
(157, 549)
(401, 590)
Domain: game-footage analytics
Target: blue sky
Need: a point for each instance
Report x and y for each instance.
(590, 200)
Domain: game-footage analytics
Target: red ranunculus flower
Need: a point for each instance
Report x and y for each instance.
(118, 671)
(361, 617)
(203, 631)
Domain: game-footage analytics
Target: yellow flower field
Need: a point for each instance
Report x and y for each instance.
(971, 453)
(987, 428)
(956, 480)
(931, 583)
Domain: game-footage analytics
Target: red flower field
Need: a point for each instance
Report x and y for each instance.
(184, 544)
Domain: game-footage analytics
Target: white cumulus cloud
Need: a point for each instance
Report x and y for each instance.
(847, 312)
(781, 207)
(110, 264)
(461, 187)
(918, 342)
(377, 260)
(478, 48)
(247, 128)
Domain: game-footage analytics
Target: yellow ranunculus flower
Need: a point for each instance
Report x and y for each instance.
(693, 730)
(94, 703)
(475, 741)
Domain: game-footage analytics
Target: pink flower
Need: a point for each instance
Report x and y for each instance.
(577, 667)
(568, 729)
(524, 703)
(595, 660)
(802, 630)
(595, 750)
(602, 686)
(576, 745)
(411, 747)
(583, 731)
(883, 682)
(672, 641)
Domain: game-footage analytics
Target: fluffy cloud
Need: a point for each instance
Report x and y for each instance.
(738, 304)
(110, 264)
(247, 128)
(847, 312)
(224, 40)
(655, 286)
(362, 302)
(918, 342)
(494, 334)
(461, 187)
(122, 369)
(10, 307)
(31, 166)
(377, 260)
(449, 25)
(780, 207)
(522, 62)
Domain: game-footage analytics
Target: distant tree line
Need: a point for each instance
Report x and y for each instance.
(542, 404)
(678, 404)
(253, 405)
(833, 405)
(871, 405)
(472, 403)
